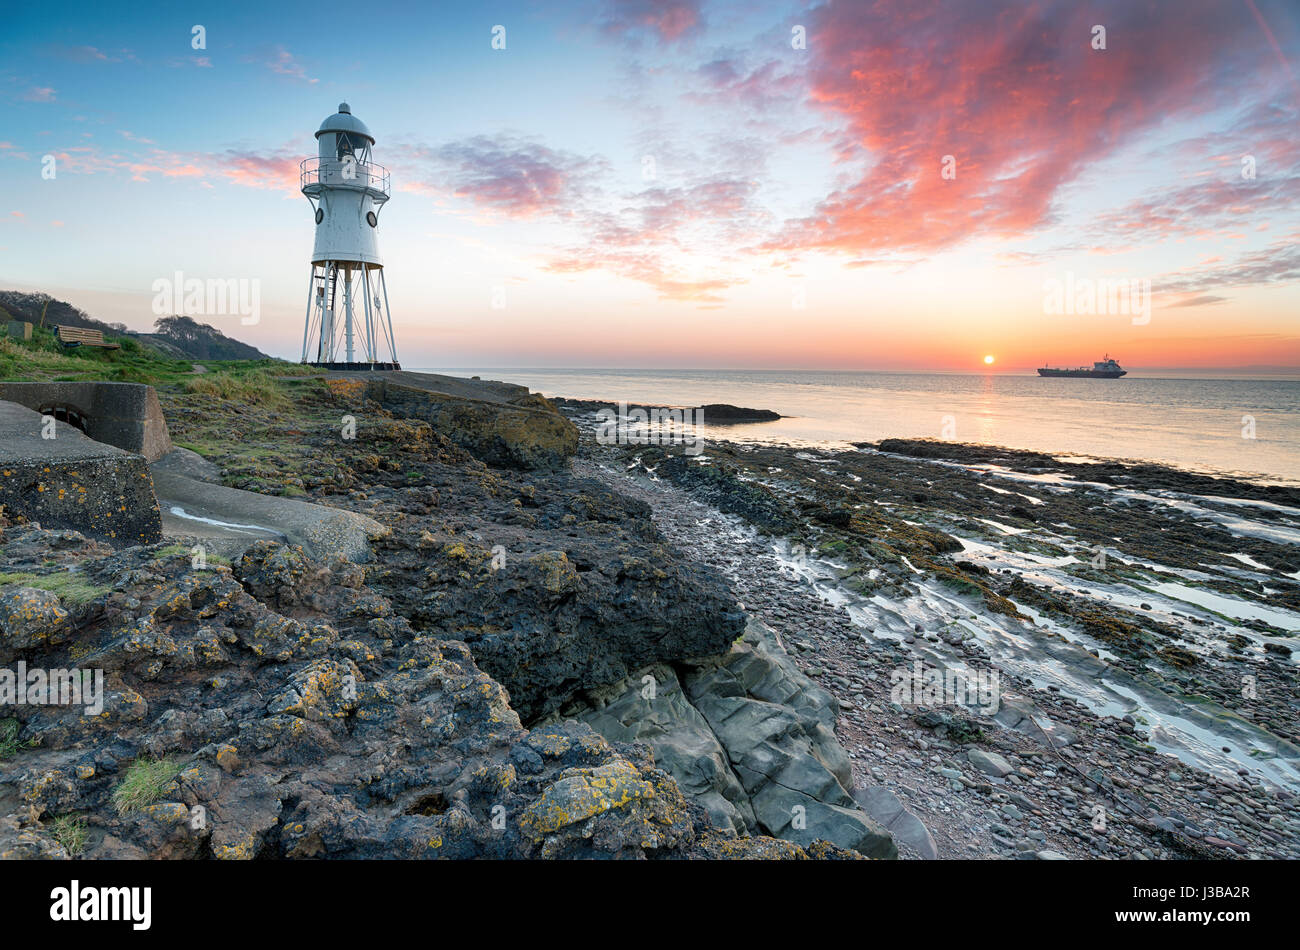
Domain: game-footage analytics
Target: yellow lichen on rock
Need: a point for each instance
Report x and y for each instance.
(584, 793)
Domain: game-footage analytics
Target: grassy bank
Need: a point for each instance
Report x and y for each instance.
(245, 415)
(43, 358)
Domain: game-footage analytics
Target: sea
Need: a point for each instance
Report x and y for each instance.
(1246, 427)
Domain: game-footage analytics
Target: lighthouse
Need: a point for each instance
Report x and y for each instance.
(348, 324)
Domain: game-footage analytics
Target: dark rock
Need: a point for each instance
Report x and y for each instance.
(545, 629)
(304, 720)
(499, 423)
(723, 414)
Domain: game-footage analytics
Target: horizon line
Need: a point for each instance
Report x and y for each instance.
(1250, 369)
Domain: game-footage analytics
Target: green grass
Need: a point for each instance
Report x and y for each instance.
(70, 831)
(257, 382)
(145, 782)
(9, 742)
(72, 588)
(44, 358)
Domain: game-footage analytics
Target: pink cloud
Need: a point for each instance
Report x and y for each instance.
(647, 267)
(283, 63)
(1014, 93)
(276, 171)
(667, 20)
(519, 178)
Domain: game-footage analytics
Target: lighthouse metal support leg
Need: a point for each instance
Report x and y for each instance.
(322, 312)
(359, 337)
(326, 354)
(306, 328)
(374, 317)
(371, 343)
(347, 303)
(392, 340)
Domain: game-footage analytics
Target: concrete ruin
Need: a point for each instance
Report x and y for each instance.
(125, 415)
(97, 458)
(50, 472)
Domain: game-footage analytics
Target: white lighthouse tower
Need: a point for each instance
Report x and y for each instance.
(349, 325)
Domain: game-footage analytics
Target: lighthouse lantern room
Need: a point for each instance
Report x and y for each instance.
(349, 325)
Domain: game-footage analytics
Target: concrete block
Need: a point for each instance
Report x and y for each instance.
(71, 481)
(125, 415)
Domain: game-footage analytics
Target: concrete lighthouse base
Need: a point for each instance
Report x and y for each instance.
(356, 367)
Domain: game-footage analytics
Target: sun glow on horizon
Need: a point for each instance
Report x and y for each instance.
(988, 360)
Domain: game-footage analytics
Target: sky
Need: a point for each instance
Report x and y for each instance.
(897, 185)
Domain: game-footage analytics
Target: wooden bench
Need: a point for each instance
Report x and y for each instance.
(76, 336)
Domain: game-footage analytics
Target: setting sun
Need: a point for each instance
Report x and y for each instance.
(988, 361)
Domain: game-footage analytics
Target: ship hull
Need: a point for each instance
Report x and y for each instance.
(1084, 373)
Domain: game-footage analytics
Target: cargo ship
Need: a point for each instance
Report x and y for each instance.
(1102, 369)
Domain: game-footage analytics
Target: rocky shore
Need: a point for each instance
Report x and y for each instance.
(554, 647)
(434, 698)
(1137, 621)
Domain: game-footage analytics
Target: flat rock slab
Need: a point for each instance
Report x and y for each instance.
(234, 519)
(990, 763)
(190, 464)
(881, 804)
(72, 481)
(484, 390)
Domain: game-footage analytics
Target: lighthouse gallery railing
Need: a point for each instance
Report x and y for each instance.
(342, 173)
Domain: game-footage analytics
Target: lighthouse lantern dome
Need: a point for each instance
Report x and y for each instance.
(342, 134)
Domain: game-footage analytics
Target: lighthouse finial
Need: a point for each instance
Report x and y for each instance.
(344, 107)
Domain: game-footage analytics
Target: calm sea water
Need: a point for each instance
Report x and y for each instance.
(1195, 424)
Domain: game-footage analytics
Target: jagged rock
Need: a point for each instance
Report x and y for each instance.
(293, 737)
(777, 727)
(30, 617)
(550, 624)
(650, 707)
(751, 739)
(20, 842)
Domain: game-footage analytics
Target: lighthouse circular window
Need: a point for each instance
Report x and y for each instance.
(320, 215)
(371, 219)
